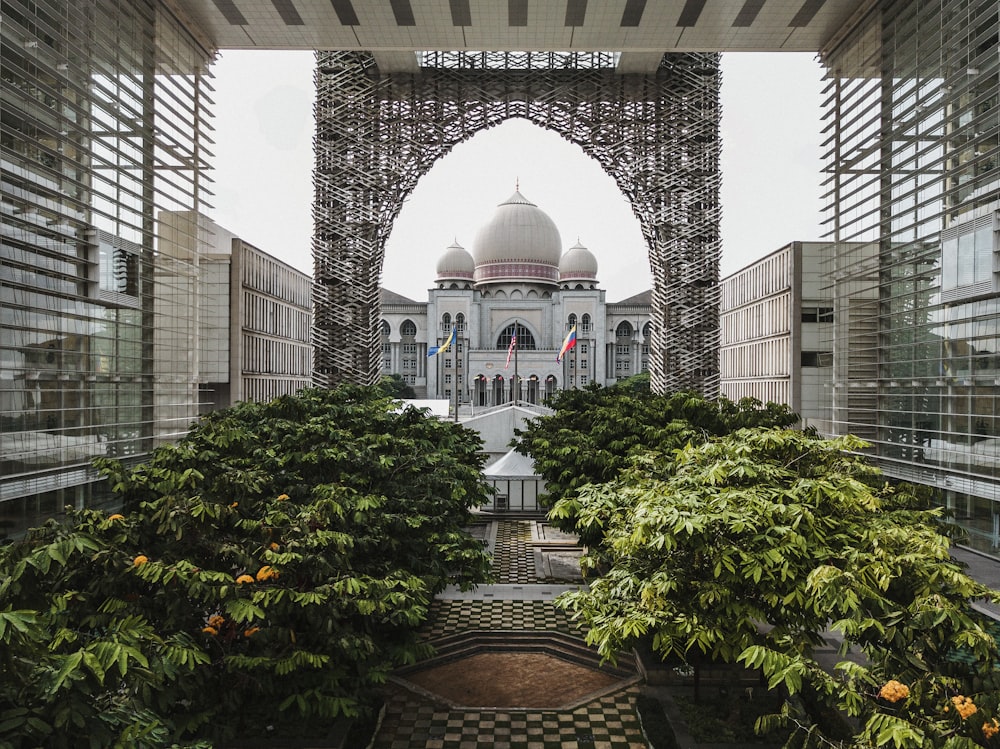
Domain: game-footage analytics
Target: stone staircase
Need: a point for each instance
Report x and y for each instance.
(460, 645)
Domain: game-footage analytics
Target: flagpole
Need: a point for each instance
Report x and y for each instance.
(517, 382)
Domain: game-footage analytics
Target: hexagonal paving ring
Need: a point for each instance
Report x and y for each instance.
(516, 670)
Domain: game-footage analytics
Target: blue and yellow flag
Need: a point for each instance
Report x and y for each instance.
(435, 350)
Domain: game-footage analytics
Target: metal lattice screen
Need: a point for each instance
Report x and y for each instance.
(656, 135)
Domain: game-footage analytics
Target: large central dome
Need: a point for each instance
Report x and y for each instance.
(520, 243)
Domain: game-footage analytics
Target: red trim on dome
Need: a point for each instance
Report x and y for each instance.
(516, 271)
(455, 274)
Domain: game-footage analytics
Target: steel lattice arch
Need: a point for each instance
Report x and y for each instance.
(656, 135)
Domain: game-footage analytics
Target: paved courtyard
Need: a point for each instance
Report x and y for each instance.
(531, 565)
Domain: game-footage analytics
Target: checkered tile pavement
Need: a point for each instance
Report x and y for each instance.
(414, 721)
(513, 558)
(448, 617)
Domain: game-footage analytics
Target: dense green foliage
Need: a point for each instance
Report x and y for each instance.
(745, 547)
(397, 387)
(595, 432)
(268, 570)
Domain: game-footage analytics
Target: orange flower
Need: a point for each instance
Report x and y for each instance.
(274, 546)
(282, 497)
(244, 579)
(140, 560)
(991, 728)
(251, 632)
(116, 516)
(964, 705)
(234, 505)
(215, 620)
(894, 691)
(266, 573)
(210, 631)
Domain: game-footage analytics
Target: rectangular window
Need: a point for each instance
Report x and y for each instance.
(817, 314)
(622, 349)
(583, 363)
(817, 359)
(583, 348)
(967, 251)
(119, 270)
(447, 379)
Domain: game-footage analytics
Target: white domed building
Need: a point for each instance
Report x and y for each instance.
(517, 277)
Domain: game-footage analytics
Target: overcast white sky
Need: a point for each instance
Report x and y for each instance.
(770, 166)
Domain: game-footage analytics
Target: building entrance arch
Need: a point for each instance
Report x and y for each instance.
(656, 134)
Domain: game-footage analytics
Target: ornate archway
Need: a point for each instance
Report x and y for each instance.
(656, 135)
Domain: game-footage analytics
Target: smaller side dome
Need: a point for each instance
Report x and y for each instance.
(456, 264)
(577, 264)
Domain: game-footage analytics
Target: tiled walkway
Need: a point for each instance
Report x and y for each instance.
(517, 603)
(513, 557)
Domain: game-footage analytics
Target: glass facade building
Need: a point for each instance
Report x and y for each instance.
(913, 138)
(103, 126)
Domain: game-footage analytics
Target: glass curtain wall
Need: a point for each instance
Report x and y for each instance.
(102, 127)
(914, 140)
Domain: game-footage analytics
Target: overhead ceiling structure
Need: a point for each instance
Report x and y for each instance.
(634, 83)
(642, 30)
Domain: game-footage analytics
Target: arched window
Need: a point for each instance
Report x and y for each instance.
(408, 328)
(550, 386)
(446, 322)
(460, 322)
(525, 340)
(624, 330)
(571, 321)
(585, 323)
(647, 330)
(386, 330)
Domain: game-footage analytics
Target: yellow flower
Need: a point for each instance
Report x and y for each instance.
(894, 691)
(140, 560)
(274, 546)
(116, 516)
(244, 579)
(234, 505)
(251, 632)
(991, 728)
(266, 573)
(210, 631)
(964, 705)
(282, 497)
(215, 620)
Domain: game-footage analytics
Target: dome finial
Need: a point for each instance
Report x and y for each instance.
(517, 184)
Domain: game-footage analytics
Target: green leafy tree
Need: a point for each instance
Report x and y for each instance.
(595, 432)
(268, 570)
(744, 548)
(397, 387)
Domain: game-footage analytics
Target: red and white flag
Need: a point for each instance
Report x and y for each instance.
(510, 349)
